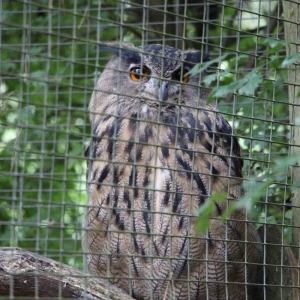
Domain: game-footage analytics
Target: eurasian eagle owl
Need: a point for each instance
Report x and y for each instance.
(158, 152)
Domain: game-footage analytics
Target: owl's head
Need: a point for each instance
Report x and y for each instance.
(145, 80)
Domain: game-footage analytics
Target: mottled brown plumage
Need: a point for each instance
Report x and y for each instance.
(158, 152)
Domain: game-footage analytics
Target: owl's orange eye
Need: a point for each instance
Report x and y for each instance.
(137, 74)
(181, 75)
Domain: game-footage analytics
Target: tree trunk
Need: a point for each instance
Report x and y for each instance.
(291, 11)
(280, 272)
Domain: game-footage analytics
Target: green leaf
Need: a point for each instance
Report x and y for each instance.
(276, 61)
(290, 59)
(282, 163)
(288, 214)
(208, 79)
(245, 86)
(242, 58)
(206, 211)
(205, 214)
(274, 45)
(201, 67)
(251, 83)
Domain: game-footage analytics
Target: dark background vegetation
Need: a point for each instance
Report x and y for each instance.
(48, 70)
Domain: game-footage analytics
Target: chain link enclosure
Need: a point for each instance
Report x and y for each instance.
(49, 65)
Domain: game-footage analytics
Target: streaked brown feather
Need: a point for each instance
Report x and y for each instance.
(149, 173)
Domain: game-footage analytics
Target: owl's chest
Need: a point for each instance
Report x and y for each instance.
(146, 168)
(160, 151)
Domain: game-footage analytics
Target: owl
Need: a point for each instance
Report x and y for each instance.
(158, 153)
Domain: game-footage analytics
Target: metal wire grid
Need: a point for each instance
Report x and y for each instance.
(47, 76)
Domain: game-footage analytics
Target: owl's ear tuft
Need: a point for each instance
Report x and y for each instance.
(121, 50)
(196, 57)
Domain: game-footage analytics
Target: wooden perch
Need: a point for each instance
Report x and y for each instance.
(26, 274)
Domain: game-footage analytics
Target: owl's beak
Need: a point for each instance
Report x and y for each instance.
(163, 91)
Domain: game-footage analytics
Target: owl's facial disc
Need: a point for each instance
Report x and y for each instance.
(152, 86)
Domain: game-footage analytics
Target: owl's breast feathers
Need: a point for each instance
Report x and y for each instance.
(197, 151)
(155, 170)
(146, 183)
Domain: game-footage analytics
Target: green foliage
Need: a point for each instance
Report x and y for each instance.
(256, 187)
(246, 83)
(206, 211)
(44, 129)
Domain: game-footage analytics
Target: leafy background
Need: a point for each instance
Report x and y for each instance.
(48, 70)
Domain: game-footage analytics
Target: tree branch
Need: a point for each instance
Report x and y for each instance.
(26, 274)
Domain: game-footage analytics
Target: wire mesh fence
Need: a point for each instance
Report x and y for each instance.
(142, 164)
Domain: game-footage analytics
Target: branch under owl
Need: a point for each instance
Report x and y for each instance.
(26, 274)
